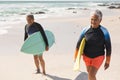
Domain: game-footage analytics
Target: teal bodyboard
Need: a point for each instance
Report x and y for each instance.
(35, 44)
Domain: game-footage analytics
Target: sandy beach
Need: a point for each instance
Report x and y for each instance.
(16, 65)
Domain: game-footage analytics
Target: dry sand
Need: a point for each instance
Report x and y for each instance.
(59, 59)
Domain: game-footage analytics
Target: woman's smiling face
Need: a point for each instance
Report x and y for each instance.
(95, 21)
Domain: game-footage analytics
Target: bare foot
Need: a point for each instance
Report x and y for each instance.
(38, 71)
(44, 73)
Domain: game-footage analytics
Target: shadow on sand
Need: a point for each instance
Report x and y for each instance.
(56, 77)
(82, 76)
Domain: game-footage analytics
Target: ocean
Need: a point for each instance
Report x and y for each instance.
(15, 11)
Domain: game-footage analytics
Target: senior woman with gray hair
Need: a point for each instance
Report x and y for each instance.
(97, 40)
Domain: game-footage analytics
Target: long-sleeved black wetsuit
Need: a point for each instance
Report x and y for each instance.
(35, 27)
(97, 40)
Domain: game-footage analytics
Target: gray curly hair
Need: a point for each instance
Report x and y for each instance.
(97, 13)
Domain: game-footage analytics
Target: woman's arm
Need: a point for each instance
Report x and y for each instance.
(79, 41)
(43, 34)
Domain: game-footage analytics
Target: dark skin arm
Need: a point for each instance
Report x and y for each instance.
(107, 62)
(47, 48)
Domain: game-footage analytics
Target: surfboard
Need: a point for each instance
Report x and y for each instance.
(80, 52)
(35, 44)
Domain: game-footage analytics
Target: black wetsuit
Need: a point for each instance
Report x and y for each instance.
(35, 27)
(97, 40)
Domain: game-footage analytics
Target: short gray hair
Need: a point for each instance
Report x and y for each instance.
(30, 16)
(97, 13)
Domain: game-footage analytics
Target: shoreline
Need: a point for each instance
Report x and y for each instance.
(78, 14)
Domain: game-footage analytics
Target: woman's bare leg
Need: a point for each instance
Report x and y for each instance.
(42, 62)
(92, 71)
(36, 61)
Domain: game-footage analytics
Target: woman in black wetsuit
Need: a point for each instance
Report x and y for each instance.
(97, 40)
(31, 28)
